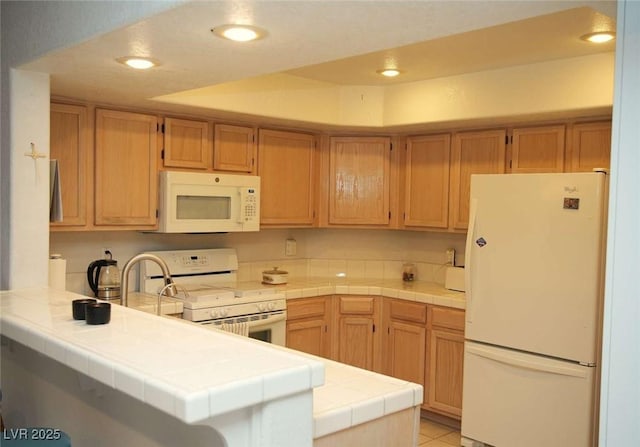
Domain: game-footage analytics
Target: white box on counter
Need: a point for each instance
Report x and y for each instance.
(454, 279)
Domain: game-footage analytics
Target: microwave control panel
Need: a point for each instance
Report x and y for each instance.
(248, 205)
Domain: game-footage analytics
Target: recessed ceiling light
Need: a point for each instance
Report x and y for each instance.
(139, 63)
(239, 33)
(389, 72)
(599, 37)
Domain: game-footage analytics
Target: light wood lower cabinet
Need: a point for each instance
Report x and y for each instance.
(308, 324)
(445, 345)
(416, 342)
(357, 331)
(404, 344)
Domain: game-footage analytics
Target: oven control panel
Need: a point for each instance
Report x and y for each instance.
(214, 262)
(200, 314)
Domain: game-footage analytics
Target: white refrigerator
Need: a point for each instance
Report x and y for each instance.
(534, 266)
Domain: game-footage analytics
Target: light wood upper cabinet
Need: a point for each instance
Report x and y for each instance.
(234, 148)
(480, 152)
(287, 169)
(590, 146)
(357, 340)
(359, 181)
(309, 325)
(537, 149)
(426, 193)
(186, 144)
(445, 332)
(70, 147)
(126, 174)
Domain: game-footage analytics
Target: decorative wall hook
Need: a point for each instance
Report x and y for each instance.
(34, 154)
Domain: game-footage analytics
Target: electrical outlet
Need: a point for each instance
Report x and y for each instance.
(290, 247)
(451, 257)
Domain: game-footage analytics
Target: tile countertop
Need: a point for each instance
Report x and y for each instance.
(181, 369)
(193, 373)
(352, 396)
(419, 291)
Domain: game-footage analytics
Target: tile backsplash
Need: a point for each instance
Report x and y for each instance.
(349, 269)
(368, 254)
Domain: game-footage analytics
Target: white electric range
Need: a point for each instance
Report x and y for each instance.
(207, 284)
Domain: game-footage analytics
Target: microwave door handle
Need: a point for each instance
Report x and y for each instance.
(242, 196)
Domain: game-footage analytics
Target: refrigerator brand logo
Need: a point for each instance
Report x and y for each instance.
(571, 203)
(481, 242)
(570, 189)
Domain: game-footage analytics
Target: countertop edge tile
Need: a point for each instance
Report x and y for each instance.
(399, 400)
(419, 291)
(194, 408)
(233, 396)
(331, 421)
(160, 395)
(367, 410)
(101, 370)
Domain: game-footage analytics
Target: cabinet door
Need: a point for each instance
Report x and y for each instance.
(472, 153)
(591, 146)
(356, 341)
(445, 333)
(359, 185)
(538, 149)
(310, 336)
(446, 357)
(404, 341)
(69, 146)
(234, 148)
(186, 144)
(286, 165)
(126, 169)
(427, 181)
(406, 351)
(308, 325)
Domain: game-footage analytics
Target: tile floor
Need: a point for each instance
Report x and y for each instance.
(433, 434)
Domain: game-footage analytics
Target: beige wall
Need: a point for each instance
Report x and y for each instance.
(556, 86)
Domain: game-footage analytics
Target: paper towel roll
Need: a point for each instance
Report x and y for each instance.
(57, 272)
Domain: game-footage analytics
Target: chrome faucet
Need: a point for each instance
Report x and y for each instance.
(169, 288)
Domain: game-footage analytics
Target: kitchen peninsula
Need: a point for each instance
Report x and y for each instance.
(145, 380)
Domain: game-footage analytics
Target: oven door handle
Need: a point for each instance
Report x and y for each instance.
(268, 321)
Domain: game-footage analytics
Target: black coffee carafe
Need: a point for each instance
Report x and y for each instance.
(104, 277)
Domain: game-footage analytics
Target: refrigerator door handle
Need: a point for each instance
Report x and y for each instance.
(468, 262)
(518, 360)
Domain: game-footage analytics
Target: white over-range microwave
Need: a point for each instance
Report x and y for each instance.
(193, 202)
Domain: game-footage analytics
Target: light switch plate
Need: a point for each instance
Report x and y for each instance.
(290, 247)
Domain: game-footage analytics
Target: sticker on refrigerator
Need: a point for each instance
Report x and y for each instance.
(481, 242)
(571, 203)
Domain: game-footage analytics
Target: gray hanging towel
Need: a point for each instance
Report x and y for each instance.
(55, 193)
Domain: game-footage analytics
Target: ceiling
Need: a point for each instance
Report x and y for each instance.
(340, 42)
